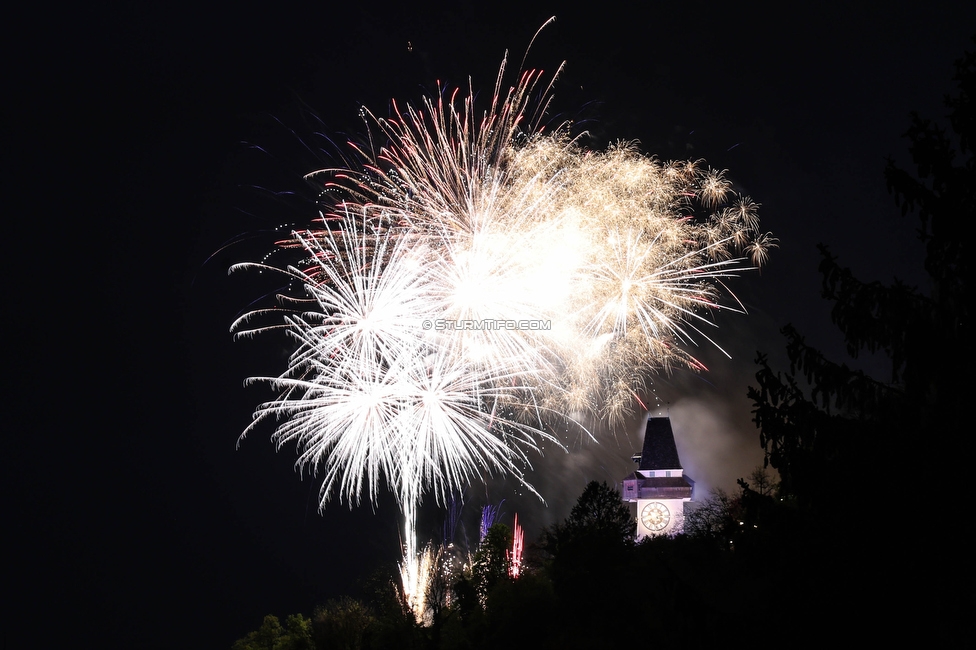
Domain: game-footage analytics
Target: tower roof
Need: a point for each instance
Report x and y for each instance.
(659, 451)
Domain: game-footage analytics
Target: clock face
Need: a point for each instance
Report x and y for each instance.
(655, 516)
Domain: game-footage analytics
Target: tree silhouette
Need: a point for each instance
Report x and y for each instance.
(490, 561)
(600, 511)
(873, 462)
(343, 623)
(926, 336)
(296, 634)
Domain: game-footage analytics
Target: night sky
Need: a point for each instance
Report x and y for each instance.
(143, 149)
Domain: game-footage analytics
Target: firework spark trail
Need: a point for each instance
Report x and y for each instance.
(515, 556)
(458, 216)
(416, 578)
(489, 514)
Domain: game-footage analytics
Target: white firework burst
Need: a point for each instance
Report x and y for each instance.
(460, 221)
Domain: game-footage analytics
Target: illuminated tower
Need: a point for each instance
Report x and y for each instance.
(659, 487)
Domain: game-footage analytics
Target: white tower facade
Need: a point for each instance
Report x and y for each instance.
(659, 488)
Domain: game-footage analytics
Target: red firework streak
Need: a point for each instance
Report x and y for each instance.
(515, 557)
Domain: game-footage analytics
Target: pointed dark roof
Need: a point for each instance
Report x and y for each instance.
(659, 451)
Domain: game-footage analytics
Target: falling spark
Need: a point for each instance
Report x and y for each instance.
(417, 574)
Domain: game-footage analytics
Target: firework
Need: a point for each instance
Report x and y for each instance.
(476, 276)
(489, 514)
(514, 557)
(417, 575)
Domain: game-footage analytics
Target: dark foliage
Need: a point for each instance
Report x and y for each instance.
(343, 623)
(491, 560)
(824, 420)
(880, 459)
(595, 586)
(599, 516)
(296, 634)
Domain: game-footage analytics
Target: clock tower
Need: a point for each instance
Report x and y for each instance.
(659, 487)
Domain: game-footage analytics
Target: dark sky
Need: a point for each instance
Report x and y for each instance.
(135, 521)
